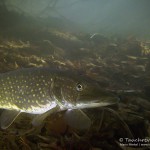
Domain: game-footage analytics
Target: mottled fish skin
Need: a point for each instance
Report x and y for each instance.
(26, 90)
(37, 90)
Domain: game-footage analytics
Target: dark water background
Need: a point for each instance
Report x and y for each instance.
(130, 17)
(108, 40)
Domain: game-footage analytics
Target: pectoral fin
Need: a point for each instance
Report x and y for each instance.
(77, 119)
(8, 117)
(38, 120)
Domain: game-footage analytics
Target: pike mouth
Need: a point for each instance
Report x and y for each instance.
(96, 103)
(82, 105)
(91, 105)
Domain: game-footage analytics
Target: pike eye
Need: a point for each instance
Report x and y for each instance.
(79, 87)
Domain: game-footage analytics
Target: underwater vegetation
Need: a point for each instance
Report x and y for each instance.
(119, 65)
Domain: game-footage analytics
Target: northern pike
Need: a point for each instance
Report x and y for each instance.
(41, 90)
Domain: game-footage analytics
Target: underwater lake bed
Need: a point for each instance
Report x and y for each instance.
(119, 65)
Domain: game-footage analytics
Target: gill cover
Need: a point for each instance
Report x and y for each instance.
(65, 92)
